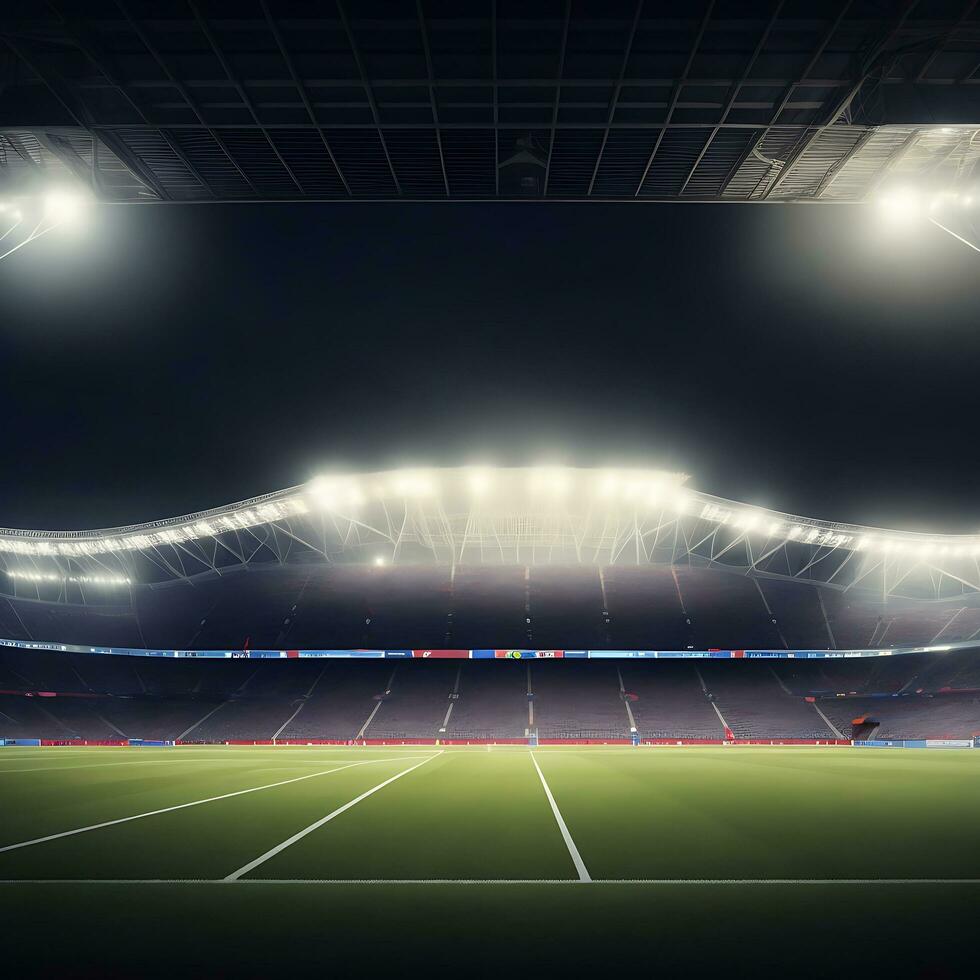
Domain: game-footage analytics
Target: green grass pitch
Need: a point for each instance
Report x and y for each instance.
(686, 861)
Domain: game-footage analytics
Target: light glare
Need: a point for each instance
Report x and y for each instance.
(66, 206)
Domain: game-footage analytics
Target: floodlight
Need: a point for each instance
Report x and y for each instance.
(633, 489)
(379, 561)
(66, 206)
(413, 483)
(609, 484)
(478, 480)
(681, 502)
(331, 493)
(902, 206)
(549, 479)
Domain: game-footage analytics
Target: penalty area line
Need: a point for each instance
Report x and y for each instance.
(279, 848)
(184, 806)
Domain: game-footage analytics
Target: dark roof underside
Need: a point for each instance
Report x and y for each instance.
(201, 100)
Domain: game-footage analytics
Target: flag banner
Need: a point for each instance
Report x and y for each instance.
(528, 654)
(487, 654)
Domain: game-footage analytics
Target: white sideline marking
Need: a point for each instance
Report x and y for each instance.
(183, 806)
(490, 881)
(272, 852)
(583, 873)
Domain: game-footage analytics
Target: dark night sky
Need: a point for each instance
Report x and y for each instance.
(175, 358)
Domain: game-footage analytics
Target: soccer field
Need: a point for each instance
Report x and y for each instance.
(232, 861)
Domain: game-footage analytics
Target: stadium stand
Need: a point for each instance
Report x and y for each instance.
(577, 699)
(418, 701)
(418, 606)
(342, 699)
(493, 702)
(670, 702)
(346, 606)
(644, 602)
(910, 717)
(79, 696)
(755, 704)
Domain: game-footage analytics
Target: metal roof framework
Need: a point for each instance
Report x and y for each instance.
(508, 516)
(268, 100)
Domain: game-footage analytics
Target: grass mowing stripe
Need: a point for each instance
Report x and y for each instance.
(583, 872)
(183, 806)
(272, 852)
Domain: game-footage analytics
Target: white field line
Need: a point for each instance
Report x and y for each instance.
(583, 873)
(669, 882)
(279, 848)
(184, 806)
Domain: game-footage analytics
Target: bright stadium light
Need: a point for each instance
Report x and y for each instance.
(609, 484)
(334, 493)
(379, 561)
(551, 480)
(66, 206)
(413, 483)
(903, 207)
(479, 480)
(60, 206)
(900, 207)
(681, 502)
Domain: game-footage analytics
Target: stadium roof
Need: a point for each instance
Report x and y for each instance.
(525, 516)
(711, 100)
